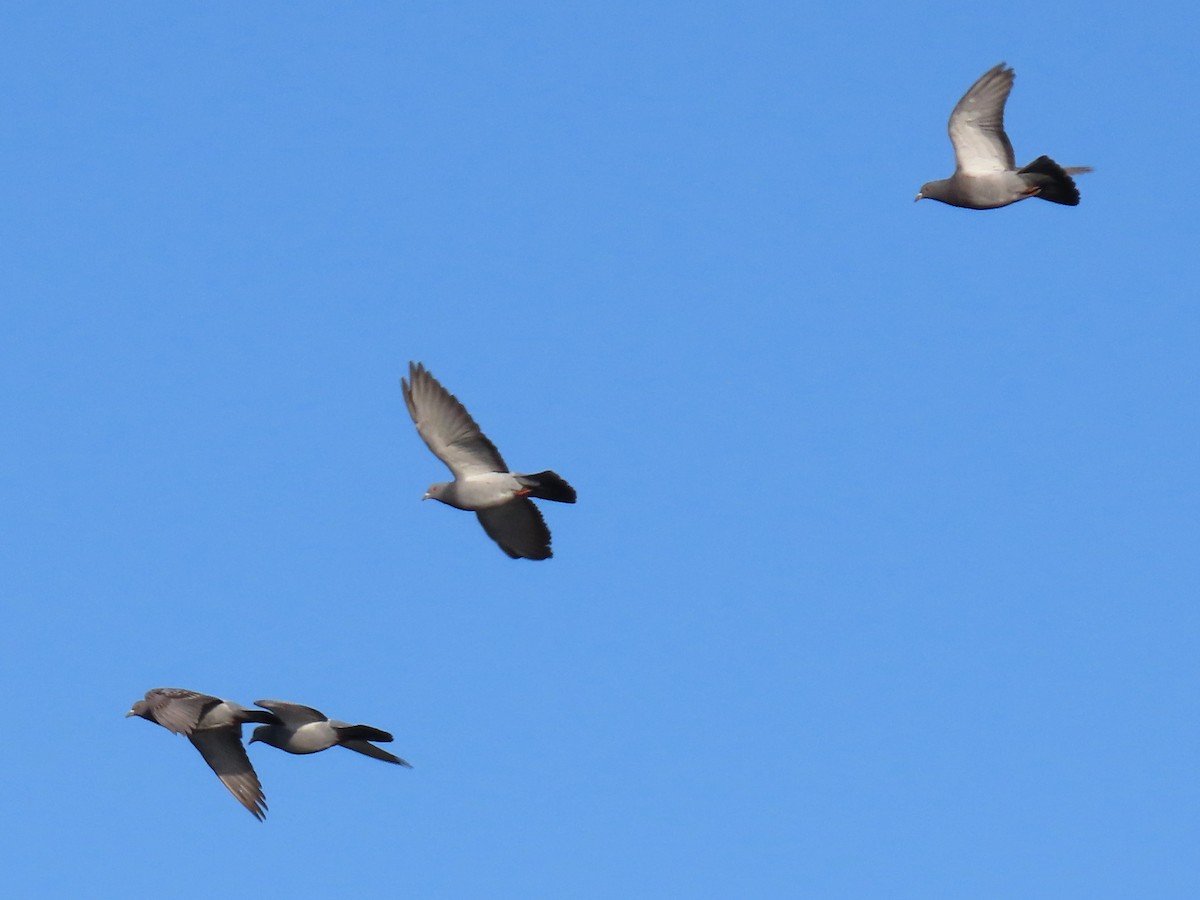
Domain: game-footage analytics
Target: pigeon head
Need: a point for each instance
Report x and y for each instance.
(933, 190)
(141, 708)
(436, 491)
(262, 733)
(930, 190)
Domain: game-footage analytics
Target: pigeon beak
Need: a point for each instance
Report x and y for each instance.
(130, 713)
(919, 196)
(426, 496)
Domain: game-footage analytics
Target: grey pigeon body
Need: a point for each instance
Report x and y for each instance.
(302, 729)
(482, 482)
(986, 174)
(214, 726)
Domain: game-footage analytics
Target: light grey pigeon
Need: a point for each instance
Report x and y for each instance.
(482, 482)
(214, 726)
(302, 729)
(986, 175)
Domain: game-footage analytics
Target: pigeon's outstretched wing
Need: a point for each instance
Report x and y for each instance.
(446, 426)
(519, 529)
(977, 125)
(178, 710)
(292, 714)
(222, 749)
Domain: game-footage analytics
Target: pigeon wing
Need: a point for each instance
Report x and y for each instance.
(292, 714)
(222, 749)
(977, 125)
(374, 752)
(178, 710)
(519, 529)
(446, 426)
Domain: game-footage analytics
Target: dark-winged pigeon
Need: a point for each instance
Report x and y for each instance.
(214, 726)
(302, 729)
(482, 482)
(986, 175)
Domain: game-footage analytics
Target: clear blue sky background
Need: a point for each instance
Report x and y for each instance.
(882, 581)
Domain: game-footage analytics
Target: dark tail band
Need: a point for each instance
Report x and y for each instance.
(1052, 179)
(362, 733)
(549, 486)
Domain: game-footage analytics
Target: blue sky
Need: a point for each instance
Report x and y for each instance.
(882, 580)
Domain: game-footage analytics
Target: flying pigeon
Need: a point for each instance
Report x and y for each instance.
(986, 175)
(302, 729)
(214, 726)
(482, 482)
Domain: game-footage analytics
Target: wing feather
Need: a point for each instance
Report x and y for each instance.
(178, 710)
(292, 714)
(446, 426)
(519, 529)
(977, 125)
(225, 754)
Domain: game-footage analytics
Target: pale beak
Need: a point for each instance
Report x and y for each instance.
(919, 196)
(130, 713)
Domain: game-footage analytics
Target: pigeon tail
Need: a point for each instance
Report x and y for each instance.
(362, 733)
(1052, 180)
(548, 486)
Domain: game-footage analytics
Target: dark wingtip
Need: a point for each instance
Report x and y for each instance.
(535, 555)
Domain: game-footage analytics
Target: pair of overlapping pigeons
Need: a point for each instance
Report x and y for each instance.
(214, 726)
